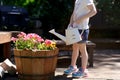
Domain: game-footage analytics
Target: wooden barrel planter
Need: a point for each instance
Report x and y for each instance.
(39, 65)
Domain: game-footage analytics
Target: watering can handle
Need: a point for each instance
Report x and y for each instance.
(70, 27)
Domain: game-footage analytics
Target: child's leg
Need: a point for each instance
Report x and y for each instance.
(73, 68)
(82, 48)
(84, 55)
(82, 72)
(75, 54)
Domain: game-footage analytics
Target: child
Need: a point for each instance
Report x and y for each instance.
(83, 11)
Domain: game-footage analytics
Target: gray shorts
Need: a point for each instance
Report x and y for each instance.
(84, 35)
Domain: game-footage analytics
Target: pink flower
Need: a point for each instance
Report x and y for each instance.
(30, 35)
(47, 42)
(26, 38)
(13, 39)
(35, 37)
(40, 40)
(22, 34)
(32, 41)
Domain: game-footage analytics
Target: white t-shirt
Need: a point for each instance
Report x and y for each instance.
(81, 9)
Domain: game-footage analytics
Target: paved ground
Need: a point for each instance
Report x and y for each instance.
(106, 67)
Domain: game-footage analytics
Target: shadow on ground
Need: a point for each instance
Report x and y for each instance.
(107, 59)
(15, 77)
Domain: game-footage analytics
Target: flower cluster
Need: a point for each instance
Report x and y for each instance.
(32, 41)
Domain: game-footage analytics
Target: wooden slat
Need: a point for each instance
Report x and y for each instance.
(5, 37)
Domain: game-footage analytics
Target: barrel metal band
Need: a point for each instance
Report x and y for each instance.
(35, 56)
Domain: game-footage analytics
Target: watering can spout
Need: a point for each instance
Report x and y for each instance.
(58, 35)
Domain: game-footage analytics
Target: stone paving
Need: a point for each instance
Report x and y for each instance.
(106, 67)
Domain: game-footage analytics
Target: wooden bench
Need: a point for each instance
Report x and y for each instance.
(5, 39)
(5, 43)
(63, 47)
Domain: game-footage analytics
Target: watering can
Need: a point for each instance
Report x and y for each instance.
(72, 35)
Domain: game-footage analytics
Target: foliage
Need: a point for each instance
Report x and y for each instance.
(52, 13)
(49, 11)
(110, 11)
(56, 13)
(32, 41)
